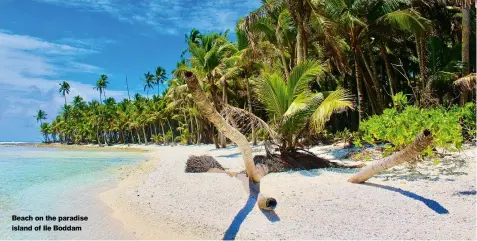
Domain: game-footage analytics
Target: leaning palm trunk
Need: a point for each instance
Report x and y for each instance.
(410, 152)
(221, 124)
(249, 103)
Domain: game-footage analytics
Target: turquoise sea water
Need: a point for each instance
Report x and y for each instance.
(43, 181)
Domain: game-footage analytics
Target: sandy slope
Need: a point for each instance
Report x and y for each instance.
(157, 200)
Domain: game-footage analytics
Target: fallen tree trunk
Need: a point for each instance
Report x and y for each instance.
(410, 152)
(221, 124)
(267, 203)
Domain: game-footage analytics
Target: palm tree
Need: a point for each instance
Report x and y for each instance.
(40, 116)
(101, 86)
(292, 107)
(207, 61)
(160, 77)
(45, 129)
(213, 116)
(149, 82)
(64, 89)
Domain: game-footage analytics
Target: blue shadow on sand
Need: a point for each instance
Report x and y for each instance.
(234, 227)
(434, 205)
(468, 193)
(231, 155)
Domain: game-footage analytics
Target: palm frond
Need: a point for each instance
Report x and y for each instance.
(298, 113)
(301, 75)
(334, 101)
(245, 120)
(408, 20)
(466, 82)
(272, 92)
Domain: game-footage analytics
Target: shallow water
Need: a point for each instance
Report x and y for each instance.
(56, 182)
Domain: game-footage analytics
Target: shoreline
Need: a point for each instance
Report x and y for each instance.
(115, 147)
(75, 193)
(157, 200)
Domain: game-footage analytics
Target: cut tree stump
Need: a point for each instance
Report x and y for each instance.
(267, 203)
(412, 151)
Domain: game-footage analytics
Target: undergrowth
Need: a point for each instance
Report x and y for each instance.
(398, 126)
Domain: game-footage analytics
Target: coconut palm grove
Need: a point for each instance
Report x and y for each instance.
(302, 72)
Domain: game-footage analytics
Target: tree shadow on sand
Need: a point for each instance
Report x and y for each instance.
(432, 204)
(254, 191)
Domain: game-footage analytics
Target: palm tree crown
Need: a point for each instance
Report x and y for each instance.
(64, 89)
(40, 116)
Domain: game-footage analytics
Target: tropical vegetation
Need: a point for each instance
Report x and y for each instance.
(295, 70)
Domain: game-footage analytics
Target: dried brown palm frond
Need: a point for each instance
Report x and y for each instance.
(245, 120)
(466, 83)
(202, 164)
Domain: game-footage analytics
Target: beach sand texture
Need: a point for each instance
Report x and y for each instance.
(157, 200)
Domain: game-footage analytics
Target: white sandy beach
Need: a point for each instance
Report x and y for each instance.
(157, 200)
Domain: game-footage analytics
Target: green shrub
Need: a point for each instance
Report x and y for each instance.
(400, 101)
(399, 128)
(468, 119)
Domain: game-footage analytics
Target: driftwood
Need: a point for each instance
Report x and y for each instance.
(409, 153)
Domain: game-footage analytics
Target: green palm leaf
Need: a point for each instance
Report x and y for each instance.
(301, 75)
(334, 101)
(272, 91)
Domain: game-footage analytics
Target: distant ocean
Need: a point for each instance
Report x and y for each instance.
(48, 181)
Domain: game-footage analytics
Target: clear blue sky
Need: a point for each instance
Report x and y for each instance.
(45, 42)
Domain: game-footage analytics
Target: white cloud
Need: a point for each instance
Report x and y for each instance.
(25, 43)
(170, 16)
(30, 69)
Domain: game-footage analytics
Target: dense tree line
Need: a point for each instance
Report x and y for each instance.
(292, 65)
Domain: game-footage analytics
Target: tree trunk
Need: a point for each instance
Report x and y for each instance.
(249, 103)
(198, 138)
(214, 117)
(373, 87)
(465, 49)
(299, 46)
(172, 131)
(410, 152)
(214, 137)
(223, 140)
(421, 46)
(163, 134)
(131, 133)
(138, 136)
(359, 88)
(102, 120)
(144, 132)
(388, 68)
